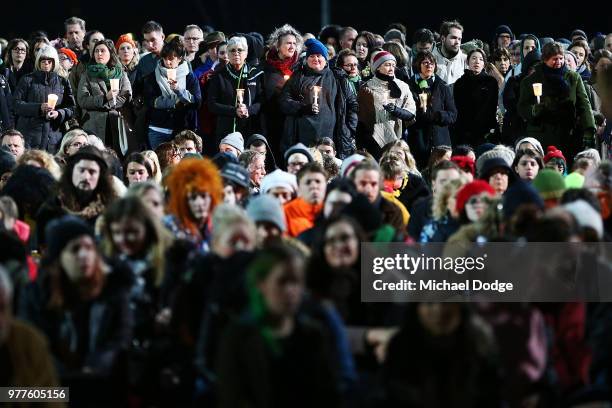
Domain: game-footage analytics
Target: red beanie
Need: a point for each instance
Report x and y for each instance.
(70, 54)
(552, 152)
(476, 187)
(465, 163)
(380, 58)
(125, 38)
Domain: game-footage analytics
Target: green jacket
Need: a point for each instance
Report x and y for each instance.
(557, 120)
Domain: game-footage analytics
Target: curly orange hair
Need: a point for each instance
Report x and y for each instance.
(186, 177)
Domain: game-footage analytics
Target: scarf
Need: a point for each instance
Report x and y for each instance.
(284, 66)
(353, 81)
(92, 210)
(424, 83)
(102, 71)
(161, 76)
(555, 80)
(394, 90)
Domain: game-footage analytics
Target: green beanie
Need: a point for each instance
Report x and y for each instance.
(550, 184)
(574, 180)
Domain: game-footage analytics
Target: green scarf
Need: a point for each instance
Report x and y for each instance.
(353, 82)
(104, 72)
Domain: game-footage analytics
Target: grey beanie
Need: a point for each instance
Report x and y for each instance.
(532, 141)
(267, 208)
(298, 148)
(234, 139)
(500, 151)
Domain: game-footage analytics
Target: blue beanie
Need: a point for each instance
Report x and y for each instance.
(314, 46)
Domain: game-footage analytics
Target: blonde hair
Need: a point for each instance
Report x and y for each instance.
(45, 160)
(67, 140)
(152, 156)
(440, 200)
(277, 35)
(407, 156)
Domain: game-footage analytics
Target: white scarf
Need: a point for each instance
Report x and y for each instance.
(161, 76)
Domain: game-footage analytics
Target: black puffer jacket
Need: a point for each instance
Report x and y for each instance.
(7, 119)
(31, 92)
(222, 100)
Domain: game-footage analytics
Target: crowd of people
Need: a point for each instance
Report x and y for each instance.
(181, 215)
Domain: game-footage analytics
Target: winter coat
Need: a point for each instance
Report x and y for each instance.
(31, 92)
(300, 215)
(431, 127)
(376, 124)
(7, 120)
(346, 116)
(449, 70)
(13, 77)
(476, 101)
(222, 100)
(100, 116)
(301, 374)
(107, 320)
(272, 116)
(301, 125)
(182, 116)
(514, 127)
(564, 116)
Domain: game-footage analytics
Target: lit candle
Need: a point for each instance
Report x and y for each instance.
(316, 90)
(240, 96)
(537, 90)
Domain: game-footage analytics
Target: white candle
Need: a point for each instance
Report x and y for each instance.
(52, 100)
(537, 90)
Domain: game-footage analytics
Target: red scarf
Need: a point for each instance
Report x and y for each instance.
(284, 66)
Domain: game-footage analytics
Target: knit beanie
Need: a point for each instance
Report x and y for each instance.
(580, 33)
(550, 184)
(533, 142)
(298, 148)
(586, 216)
(278, 178)
(500, 151)
(265, 208)
(571, 54)
(60, 231)
(518, 194)
(235, 173)
(7, 161)
(235, 140)
(349, 163)
(496, 163)
(574, 180)
(530, 60)
(553, 152)
(476, 187)
(482, 149)
(395, 34)
(314, 46)
(380, 58)
(465, 163)
(125, 38)
(70, 54)
(503, 29)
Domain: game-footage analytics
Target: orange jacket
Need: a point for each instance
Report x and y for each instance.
(300, 216)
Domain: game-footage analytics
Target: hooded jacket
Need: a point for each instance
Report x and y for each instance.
(270, 159)
(449, 70)
(222, 99)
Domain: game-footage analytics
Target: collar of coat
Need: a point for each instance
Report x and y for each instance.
(248, 73)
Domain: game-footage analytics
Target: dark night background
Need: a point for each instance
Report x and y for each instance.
(479, 17)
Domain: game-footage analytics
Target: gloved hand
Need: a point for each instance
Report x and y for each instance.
(426, 117)
(398, 112)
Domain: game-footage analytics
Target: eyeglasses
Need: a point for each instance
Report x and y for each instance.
(428, 63)
(350, 65)
(236, 50)
(19, 50)
(46, 60)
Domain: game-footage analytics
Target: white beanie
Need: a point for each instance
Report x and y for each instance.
(279, 178)
(532, 141)
(586, 216)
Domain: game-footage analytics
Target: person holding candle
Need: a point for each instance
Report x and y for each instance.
(281, 61)
(172, 94)
(476, 94)
(563, 117)
(436, 109)
(386, 103)
(235, 92)
(38, 120)
(102, 92)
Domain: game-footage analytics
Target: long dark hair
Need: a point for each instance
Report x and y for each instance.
(70, 193)
(114, 58)
(8, 57)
